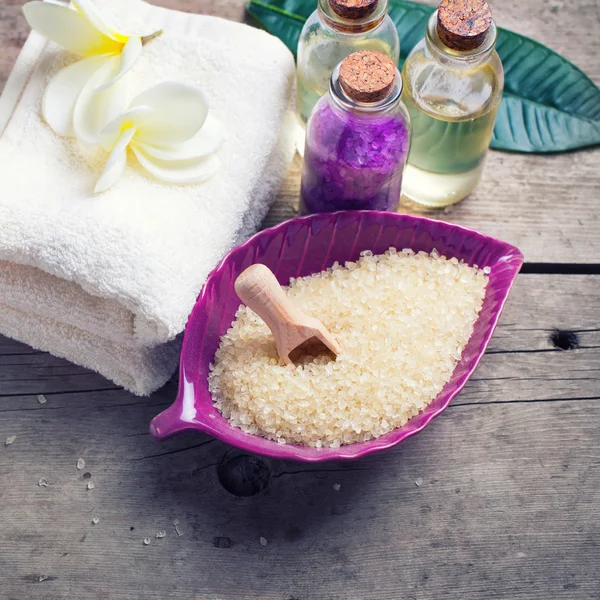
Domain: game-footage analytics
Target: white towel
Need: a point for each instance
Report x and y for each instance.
(108, 281)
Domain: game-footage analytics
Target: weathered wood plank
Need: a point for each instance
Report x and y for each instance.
(13, 33)
(541, 304)
(522, 363)
(501, 377)
(43, 373)
(508, 507)
(12, 347)
(524, 461)
(524, 377)
(521, 199)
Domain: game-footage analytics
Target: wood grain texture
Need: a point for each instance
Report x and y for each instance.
(522, 362)
(509, 505)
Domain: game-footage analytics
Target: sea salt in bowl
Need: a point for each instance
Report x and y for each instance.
(308, 245)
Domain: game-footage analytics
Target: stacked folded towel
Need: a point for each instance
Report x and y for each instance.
(108, 281)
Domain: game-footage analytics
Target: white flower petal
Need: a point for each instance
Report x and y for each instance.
(181, 110)
(69, 29)
(91, 12)
(110, 134)
(116, 162)
(62, 92)
(128, 57)
(93, 109)
(205, 142)
(177, 171)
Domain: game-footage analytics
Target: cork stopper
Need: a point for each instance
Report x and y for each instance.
(463, 24)
(367, 76)
(353, 9)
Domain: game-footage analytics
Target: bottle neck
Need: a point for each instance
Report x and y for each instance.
(351, 26)
(458, 58)
(343, 102)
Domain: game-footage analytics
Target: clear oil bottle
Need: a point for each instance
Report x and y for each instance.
(453, 86)
(334, 31)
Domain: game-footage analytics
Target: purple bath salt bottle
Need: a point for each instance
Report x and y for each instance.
(357, 139)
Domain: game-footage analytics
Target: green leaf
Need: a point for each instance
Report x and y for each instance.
(524, 125)
(549, 104)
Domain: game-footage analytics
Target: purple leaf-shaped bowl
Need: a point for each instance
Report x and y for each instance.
(307, 245)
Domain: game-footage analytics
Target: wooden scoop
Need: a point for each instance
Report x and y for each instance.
(293, 331)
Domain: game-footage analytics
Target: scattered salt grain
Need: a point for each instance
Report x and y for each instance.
(43, 578)
(487, 270)
(263, 541)
(419, 481)
(95, 521)
(424, 307)
(177, 530)
(43, 482)
(146, 541)
(80, 464)
(160, 534)
(41, 399)
(336, 487)
(10, 439)
(90, 485)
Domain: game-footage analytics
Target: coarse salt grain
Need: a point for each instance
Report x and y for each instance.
(41, 399)
(402, 320)
(176, 527)
(43, 482)
(90, 485)
(263, 541)
(336, 487)
(146, 541)
(80, 464)
(95, 521)
(10, 439)
(160, 534)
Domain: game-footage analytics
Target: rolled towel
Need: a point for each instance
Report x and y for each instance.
(108, 281)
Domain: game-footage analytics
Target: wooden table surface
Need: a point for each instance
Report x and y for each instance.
(508, 505)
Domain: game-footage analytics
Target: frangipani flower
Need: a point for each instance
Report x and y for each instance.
(92, 85)
(169, 130)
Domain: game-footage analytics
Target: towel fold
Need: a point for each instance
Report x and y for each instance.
(108, 281)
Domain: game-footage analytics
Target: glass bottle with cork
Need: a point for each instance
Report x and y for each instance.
(453, 86)
(357, 139)
(336, 29)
